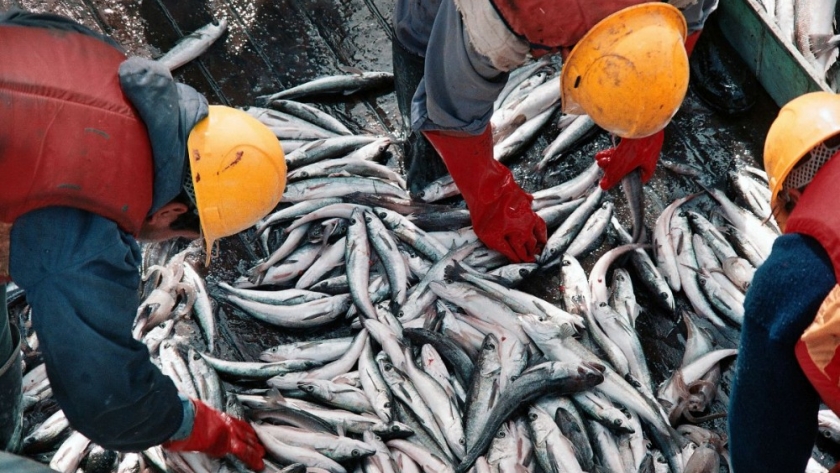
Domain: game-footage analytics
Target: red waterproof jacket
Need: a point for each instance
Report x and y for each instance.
(552, 24)
(816, 215)
(69, 136)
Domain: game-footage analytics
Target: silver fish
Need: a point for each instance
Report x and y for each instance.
(344, 84)
(193, 45)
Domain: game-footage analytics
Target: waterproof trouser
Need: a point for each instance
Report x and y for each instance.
(422, 163)
(11, 382)
(719, 76)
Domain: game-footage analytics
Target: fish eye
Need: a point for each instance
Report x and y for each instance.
(501, 435)
(355, 453)
(461, 441)
(532, 416)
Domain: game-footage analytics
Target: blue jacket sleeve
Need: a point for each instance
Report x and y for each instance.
(170, 111)
(80, 274)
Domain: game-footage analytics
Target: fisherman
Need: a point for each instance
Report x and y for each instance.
(628, 70)
(97, 152)
(773, 408)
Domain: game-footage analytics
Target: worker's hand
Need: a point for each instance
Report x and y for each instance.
(500, 210)
(504, 221)
(628, 155)
(218, 434)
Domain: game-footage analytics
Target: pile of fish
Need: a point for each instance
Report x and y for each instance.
(810, 28)
(415, 348)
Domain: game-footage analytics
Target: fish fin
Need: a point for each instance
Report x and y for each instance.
(274, 396)
(823, 43)
(453, 272)
(350, 70)
(567, 330)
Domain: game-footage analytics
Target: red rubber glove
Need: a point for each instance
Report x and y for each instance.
(218, 434)
(500, 210)
(628, 155)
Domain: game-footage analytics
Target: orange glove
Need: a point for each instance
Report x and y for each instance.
(500, 210)
(628, 155)
(218, 434)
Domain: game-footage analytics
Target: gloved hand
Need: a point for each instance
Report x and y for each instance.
(218, 434)
(628, 155)
(500, 210)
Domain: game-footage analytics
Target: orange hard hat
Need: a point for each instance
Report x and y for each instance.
(629, 73)
(238, 172)
(802, 124)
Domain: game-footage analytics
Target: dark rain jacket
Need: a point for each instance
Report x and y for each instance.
(80, 269)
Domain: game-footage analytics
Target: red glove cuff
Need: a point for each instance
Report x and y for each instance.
(218, 434)
(499, 209)
(628, 155)
(691, 41)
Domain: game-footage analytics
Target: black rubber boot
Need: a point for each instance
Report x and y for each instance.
(422, 163)
(719, 76)
(11, 383)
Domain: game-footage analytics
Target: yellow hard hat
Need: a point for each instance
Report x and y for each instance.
(238, 172)
(629, 73)
(802, 124)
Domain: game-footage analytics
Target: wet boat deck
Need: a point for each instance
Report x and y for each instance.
(273, 45)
